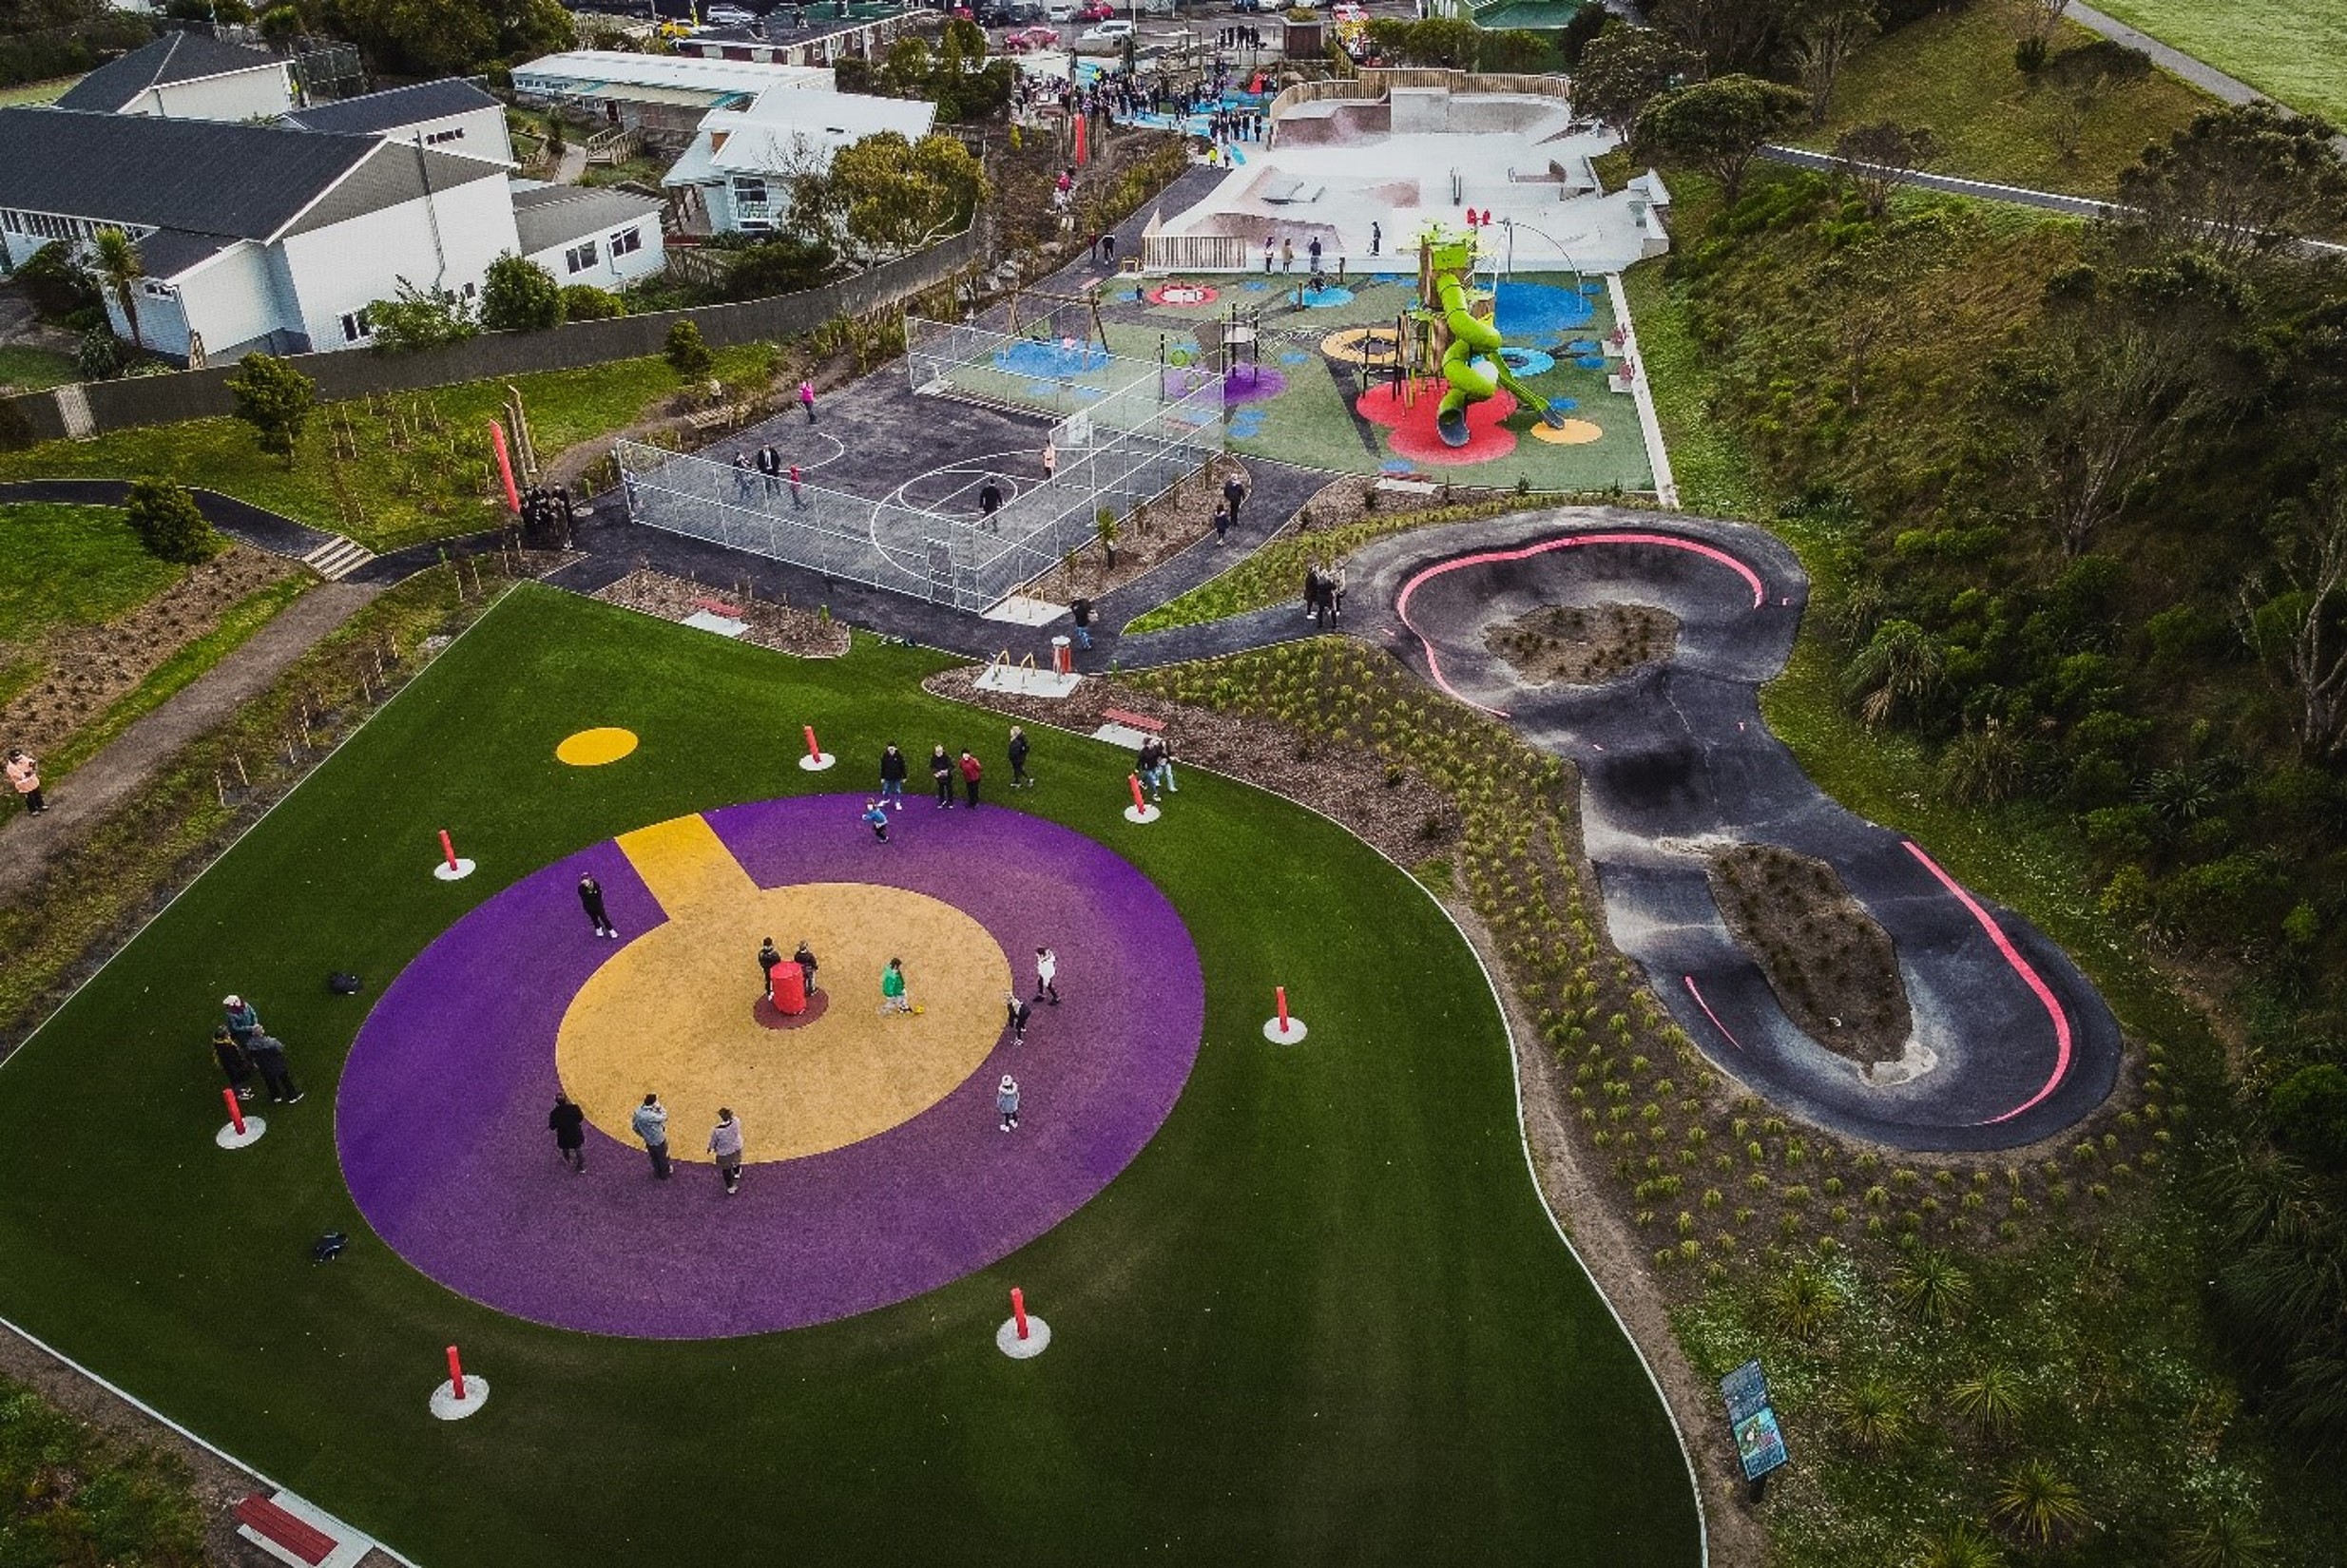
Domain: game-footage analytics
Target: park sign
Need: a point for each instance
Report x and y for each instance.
(1759, 1442)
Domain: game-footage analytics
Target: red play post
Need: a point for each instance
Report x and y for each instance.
(236, 1113)
(1018, 1309)
(1281, 992)
(456, 1372)
(505, 466)
(813, 749)
(1138, 804)
(447, 848)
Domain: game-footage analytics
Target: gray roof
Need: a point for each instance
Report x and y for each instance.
(167, 253)
(548, 216)
(208, 176)
(174, 57)
(380, 111)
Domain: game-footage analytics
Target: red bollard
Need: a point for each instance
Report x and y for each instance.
(447, 848)
(1138, 804)
(1281, 992)
(813, 749)
(456, 1372)
(1018, 1309)
(236, 1113)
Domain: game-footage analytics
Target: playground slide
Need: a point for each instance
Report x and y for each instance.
(1470, 337)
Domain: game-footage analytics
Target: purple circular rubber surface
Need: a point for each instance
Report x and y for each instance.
(441, 1117)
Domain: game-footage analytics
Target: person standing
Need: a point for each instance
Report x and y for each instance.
(1268, 257)
(876, 818)
(806, 399)
(1080, 611)
(268, 1054)
(941, 774)
(1233, 493)
(799, 499)
(1018, 758)
(1221, 522)
(1312, 251)
(1046, 976)
(768, 956)
(745, 478)
(990, 502)
(893, 776)
(243, 1020)
(24, 778)
(569, 1125)
(590, 899)
(1050, 458)
(233, 1064)
(972, 771)
(1287, 256)
(1311, 588)
(652, 1124)
(770, 465)
(725, 1144)
(804, 958)
(1007, 1103)
(1164, 766)
(1377, 238)
(893, 997)
(1016, 1015)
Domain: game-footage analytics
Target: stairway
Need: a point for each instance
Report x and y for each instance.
(337, 558)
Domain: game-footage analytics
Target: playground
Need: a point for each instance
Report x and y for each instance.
(1303, 1300)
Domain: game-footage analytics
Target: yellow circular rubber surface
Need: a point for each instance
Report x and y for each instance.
(593, 747)
(1573, 432)
(1364, 346)
(671, 1013)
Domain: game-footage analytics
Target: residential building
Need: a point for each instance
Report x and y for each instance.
(817, 34)
(736, 174)
(583, 234)
(253, 236)
(660, 96)
(187, 76)
(451, 115)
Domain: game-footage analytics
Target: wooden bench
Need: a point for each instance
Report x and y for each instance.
(710, 420)
(719, 606)
(295, 1538)
(1139, 721)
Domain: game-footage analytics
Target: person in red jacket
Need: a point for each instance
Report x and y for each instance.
(971, 772)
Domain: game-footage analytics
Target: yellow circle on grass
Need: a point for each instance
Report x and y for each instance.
(673, 1013)
(1573, 432)
(1364, 346)
(593, 747)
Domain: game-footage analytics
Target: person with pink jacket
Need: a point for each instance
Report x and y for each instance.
(25, 777)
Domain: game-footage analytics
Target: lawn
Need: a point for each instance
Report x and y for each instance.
(34, 369)
(1954, 73)
(36, 92)
(1322, 1317)
(71, 566)
(2294, 50)
(421, 468)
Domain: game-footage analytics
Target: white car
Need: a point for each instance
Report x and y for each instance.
(1108, 32)
(1059, 12)
(727, 16)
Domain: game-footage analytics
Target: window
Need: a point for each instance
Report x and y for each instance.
(626, 242)
(438, 137)
(357, 328)
(154, 290)
(580, 256)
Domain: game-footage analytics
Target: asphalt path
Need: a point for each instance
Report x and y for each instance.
(2011, 1043)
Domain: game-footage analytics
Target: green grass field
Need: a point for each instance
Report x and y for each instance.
(36, 92)
(1322, 1318)
(34, 369)
(71, 566)
(1954, 73)
(2293, 51)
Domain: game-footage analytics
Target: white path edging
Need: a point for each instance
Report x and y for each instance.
(1650, 424)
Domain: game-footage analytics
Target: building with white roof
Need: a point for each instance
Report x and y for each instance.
(737, 171)
(663, 96)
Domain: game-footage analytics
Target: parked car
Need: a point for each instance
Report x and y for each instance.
(1108, 32)
(1099, 10)
(1060, 10)
(1028, 40)
(1347, 11)
(727, 16)
(1251, 6)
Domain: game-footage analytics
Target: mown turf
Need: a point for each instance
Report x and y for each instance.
(71, 566)
(31, 369)
(1321, 1319)
(2296, 50)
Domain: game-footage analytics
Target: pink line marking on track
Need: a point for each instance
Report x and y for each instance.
(1689, 982)
(1696, 546)
(2029, 976)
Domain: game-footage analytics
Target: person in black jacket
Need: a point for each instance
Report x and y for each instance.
(569, 1125)
(590, 898)
(941, 769)
(1233, 493)
(893, 776)
(768, 956)
(1018, 758)
(804, 958)
(1081, 610)
(1016, 1016)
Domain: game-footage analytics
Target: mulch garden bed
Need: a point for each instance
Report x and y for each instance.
(809, 634)
(1154, 534)
(1834, 969)
(1584, 644)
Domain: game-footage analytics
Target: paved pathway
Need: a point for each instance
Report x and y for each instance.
(239, 520)
(2202, 75)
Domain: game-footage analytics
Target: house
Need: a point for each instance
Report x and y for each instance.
(452, 115)
(253, 236)
(660, 96)
(187, 76)
(583, 234)
(737, 171)
(816, 34)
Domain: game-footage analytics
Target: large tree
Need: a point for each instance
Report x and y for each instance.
(168, 525)
(273, 398)
(2240, 182)
(1824, 34)
(1731, 35)
(1626, 69)
(1881, 158)
(889, 196)
(519, 296)
(2301, 631)
(446, 37)
(1719, 126)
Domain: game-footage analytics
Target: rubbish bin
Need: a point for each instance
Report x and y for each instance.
(1062, 657)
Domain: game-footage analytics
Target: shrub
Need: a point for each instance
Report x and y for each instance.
(273, 398)
(686, 352)
(169, 526)
(520, 296)
(2309, 1109)
(586, 302)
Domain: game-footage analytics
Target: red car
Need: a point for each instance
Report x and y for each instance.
(1026, 39)
(1099, 10)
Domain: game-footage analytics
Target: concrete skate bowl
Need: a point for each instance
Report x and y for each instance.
(2009, 1044)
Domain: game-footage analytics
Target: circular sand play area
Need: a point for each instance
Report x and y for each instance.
(877, 1170)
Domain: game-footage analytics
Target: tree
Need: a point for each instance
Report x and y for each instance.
(2080, 77)
(1897, 673)
(1825, 33)
(99, 355)
(420, 319)
(783, 265)
(517, 295)
(1879, 158)
(57, 283)
(2038, 1504)
(1583, 31)
(2301, 631)
(1518, 49)
(686, 352)
(281, 25)
(586, 302)
(1718, 125)
(117, 261)
(2034, 22)
(447, 37)
(889, 196)
(2240, 182)
(1731, 35)
(1626, 69)
(1874, 283)
(168, 524)
(275, 399)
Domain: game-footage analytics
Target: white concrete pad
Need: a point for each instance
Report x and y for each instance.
(447, 1407)
(228, 1137)
(1038, 1338)
(1019, 610)
(1408, 487)
(1120, 735)
(350, 1546)
(1025, 681)
(458, 872)
(721, 624)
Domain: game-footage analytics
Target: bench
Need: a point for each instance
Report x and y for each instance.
(1139, 721)
(295, 1538)
(717, 606)
(710, 420)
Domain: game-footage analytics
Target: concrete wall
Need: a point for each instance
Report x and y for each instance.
(196, 394)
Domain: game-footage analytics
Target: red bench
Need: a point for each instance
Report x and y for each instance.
(719, 606)
(297, 1536)
(1139, 721)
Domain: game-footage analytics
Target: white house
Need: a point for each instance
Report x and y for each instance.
(583, 234)
(662, 96)
(739, 164)
(451, 115)
(253, 236)
(187, 76)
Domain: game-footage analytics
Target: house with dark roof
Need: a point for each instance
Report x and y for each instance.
(187, 76)
(451, 115)
(587, 235)
(252, 237)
